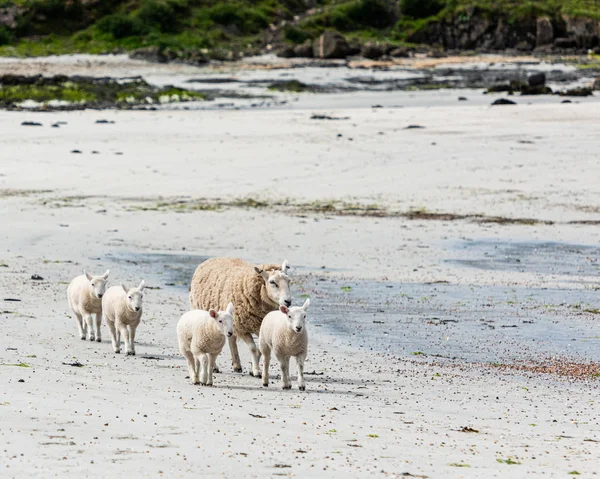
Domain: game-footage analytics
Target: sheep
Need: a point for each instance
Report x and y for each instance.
(123, 312)
(85, 298)
(284, 333)
(201, 336)
(255, 291)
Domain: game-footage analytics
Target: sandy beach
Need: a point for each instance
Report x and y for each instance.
(150, 194)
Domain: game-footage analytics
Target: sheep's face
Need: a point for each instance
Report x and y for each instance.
(296, 316)
(224, 320)
(134, 296)
(98, 283)
(278, 285)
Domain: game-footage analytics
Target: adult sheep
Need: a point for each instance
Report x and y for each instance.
(254, 291)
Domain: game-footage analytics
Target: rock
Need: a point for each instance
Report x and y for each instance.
(581, 91)
(524, 46)
(585, 31)
(566, 101)
(536, 90)
(36, 277)
(286, 51)
(9, 16)
(537, 79)
(372, 51)
(596, 84)
(462, 98)
(565, 43)
(149, 54)
(544, 32)
(30, 123)
(503, 101)
(399, 53)
(305, 50)
(331, 45)
(500, 88)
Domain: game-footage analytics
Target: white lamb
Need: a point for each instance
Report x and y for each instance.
(284, 333)
(123, 312)
(85, 298)
(201, 336)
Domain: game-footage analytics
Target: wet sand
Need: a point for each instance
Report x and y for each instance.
(371, 406)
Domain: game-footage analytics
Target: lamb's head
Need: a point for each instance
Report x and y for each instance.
(224, 320)
(296, 316)
(134, 296)
(98, 283)
(277, 283)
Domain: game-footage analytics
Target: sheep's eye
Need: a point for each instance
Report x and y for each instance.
(129, 297)
(273, 283)
(220, 321)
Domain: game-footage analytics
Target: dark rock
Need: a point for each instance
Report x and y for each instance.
(36, 277)
(544, 32)
(566, 101)
(286, 51)
(414, 127)
(518, 85)
(462, 98)
(372, 51)
(581, 91)
(149, 54)
(565, 43)
(305, 50)
(331, 45)
(524, 46)
(536, 90)
(596, 84)
(31, 123)
(537, 79)
(105, 122)
(585, 31)
(399, 53)
(503, 101)
(77, 152)
(21, 381)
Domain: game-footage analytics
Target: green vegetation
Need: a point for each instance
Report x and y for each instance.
(226, 29)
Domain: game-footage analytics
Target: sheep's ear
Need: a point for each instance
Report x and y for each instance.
(124, 288)
(306, 304)
(230, 308)
(262, 272)
(87, 275)
(285, 265)
(213, 314)
(284, 309)
(142, 286)
(105, 275)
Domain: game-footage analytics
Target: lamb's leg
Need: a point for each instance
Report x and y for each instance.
(191, 367)
(197, 363)
(203, 368)
(235, 355)
(249, 340)
(116, 342)
(131, 330)
(90, 325)
(284, 362)
(98, 326)
(300, 365)
(80, 326)
(266, 360)
(212, 359)
(123, 330)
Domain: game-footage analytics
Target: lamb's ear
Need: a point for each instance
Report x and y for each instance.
(87, 275)
(262, 272)
(285, 265)
(105, 275)
(306, 304)
(142, 286)
(284, 309)
(230, 309)
(124, 288)
(213, 313)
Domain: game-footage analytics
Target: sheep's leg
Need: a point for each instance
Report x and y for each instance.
(191, 367)
(235, 355)
(212, 359)
(197, 363)
(123, 330)
(203, 368)
(98, 326)
(116, 343)
(131, 330)
(284, 362)
(266, 360)
(300, 365)
(90, 325)
(80, 325)
(249, 340)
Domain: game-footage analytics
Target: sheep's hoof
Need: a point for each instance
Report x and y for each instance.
(302, 388)
(83, 338)
(117, 351)
(266, 385)
(130, 353)
(216, 370)
(287, 386)
(237, 369)
(255, 375)
(98, 340)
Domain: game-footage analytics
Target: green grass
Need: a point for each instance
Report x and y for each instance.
(508, 461)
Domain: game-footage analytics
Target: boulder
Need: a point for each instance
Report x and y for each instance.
(503, 101)
(581, 91)
(544, 32)
(537, 79)
(372, 51)
(286, 51)
(331, 45)
(597, 84)
(536, 90)
(585, 31)
(564, 42)
(9, 16)
(305, 50)
(399, 53)
(149, 54)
